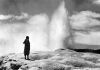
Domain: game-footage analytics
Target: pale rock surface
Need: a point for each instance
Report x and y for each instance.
(61, 59)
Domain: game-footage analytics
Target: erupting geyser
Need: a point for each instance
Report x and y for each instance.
(45, 35)
(58, 27)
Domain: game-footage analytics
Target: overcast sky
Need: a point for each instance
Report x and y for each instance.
(28, 6)
(83, 5)
(32, 7)
(45, 6)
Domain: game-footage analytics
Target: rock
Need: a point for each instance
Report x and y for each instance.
(87, 69)
(15, 66)
(62, 59)
(3, 68)
(19, 69)
(55, 66)
(7, 65)
(34, 68)
(1, 61)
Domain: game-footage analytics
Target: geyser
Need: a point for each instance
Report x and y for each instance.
(45, 35)
(58, 27)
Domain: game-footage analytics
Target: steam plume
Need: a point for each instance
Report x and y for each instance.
(58, 27)
(45, 35)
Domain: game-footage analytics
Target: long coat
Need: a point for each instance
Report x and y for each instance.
(27, 47)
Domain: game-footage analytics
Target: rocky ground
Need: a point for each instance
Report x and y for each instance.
(58, 60)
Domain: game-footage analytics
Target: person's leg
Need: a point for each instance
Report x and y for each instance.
(28, 57)
(25, 56)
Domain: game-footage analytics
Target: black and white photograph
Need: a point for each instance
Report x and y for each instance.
(49, 34)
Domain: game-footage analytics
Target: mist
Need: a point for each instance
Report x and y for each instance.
(58, 27)
(45, 34)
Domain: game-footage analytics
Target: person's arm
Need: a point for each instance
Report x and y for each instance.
(24, 42)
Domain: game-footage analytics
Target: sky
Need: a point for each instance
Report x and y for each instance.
(16, 7)
(82, 5)
(32, 7)
(85, 21)
(45, 21)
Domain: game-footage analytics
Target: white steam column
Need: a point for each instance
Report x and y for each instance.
(58, 27)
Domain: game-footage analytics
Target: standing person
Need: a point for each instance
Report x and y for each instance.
(27, 47)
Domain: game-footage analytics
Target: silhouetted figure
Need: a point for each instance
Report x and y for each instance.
(27, 47)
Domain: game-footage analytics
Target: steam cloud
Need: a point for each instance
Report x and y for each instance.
(58, 27)
(45, 35)
(7, 17)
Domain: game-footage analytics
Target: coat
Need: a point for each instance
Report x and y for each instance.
(27, 47)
